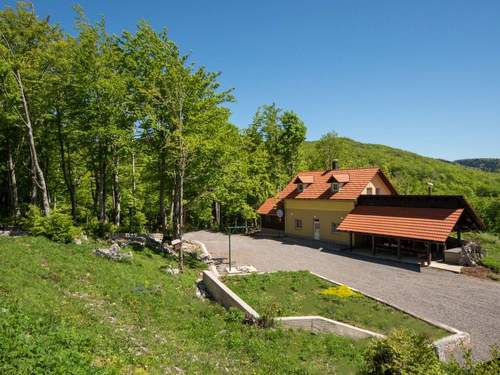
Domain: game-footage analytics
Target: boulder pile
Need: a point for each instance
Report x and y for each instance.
(114, 253)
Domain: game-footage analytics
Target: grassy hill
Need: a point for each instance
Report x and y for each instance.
(63, 310)
(410, 172)
(486, 164)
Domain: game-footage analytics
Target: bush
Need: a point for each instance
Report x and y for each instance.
(471, 367)
(57, 226)
(402, 353)
(101, 230)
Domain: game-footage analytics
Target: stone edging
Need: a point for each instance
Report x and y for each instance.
(320, 324)
(446, 348)
(208, 256)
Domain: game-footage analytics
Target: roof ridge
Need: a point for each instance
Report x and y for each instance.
(339, 170)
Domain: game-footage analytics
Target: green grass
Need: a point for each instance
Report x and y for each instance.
(298, 293)
(491, 243)
(63, 310)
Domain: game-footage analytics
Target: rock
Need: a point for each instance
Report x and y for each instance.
(471, 254)
(171, 271)
(114, 253)
(77, 241)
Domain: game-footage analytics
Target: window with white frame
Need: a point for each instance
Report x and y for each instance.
(369, 190)
(335, 187)
(300, 187)
(377, 191)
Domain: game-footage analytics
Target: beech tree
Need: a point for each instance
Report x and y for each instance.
(124, 131)
(24, 42)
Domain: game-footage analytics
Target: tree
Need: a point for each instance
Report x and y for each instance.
(292, 137)
(24, 42)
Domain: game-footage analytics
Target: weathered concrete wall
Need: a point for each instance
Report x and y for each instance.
(320, 324)
(453, 346)
(225, 296)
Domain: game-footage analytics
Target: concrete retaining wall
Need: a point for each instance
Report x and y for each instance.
(452, 347)
(319, 324)
(225, 296)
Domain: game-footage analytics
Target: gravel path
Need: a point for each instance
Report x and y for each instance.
(466, 303)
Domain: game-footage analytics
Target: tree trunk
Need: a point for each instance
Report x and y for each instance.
(101, 186)
(33, 187)
(39, 180)
(162, 215)
(116, 192)
(66, 167)
(14, 200)
(132, 212)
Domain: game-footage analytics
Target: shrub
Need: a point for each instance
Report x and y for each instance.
(402, 353)
(57, 226)
(471, 367)
(101, 230)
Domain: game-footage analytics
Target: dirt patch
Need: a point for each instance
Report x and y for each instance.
(480, 272)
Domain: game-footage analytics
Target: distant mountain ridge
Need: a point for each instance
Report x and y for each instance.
(486, 164)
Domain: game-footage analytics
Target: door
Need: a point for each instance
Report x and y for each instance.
(316, 229)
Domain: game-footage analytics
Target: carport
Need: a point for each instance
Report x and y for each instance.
(409, 224)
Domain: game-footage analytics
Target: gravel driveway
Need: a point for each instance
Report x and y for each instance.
(466, 303)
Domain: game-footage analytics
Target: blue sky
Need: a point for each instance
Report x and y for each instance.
(418, 75)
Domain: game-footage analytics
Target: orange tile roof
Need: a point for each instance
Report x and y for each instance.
(430, 224)
(321, 189)
(269, 207)
(355, 180)
(340, 177)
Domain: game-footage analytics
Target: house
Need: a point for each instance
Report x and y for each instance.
(360, 207)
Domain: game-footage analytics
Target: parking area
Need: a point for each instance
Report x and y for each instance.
(466, 303)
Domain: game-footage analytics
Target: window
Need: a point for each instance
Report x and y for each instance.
(335, 187)
(334, 228)
(369, 191)
(300, 187)
(377, 191)
(298, 223)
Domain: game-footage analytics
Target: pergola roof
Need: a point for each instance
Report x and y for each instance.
(423, 217)
(429, 224)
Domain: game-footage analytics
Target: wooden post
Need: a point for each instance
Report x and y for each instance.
(459, 235)
(429, 254)
(350, 241)
(399, 248)
(373, 245)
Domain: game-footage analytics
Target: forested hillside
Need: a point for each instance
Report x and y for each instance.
(410, 172)
(486, 164)
(124, 133)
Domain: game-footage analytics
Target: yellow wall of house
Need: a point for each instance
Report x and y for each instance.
(375, 183)
(327, 211)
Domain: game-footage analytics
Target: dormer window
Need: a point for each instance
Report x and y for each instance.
(303, 182)
(336, 186)
(337, 180)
